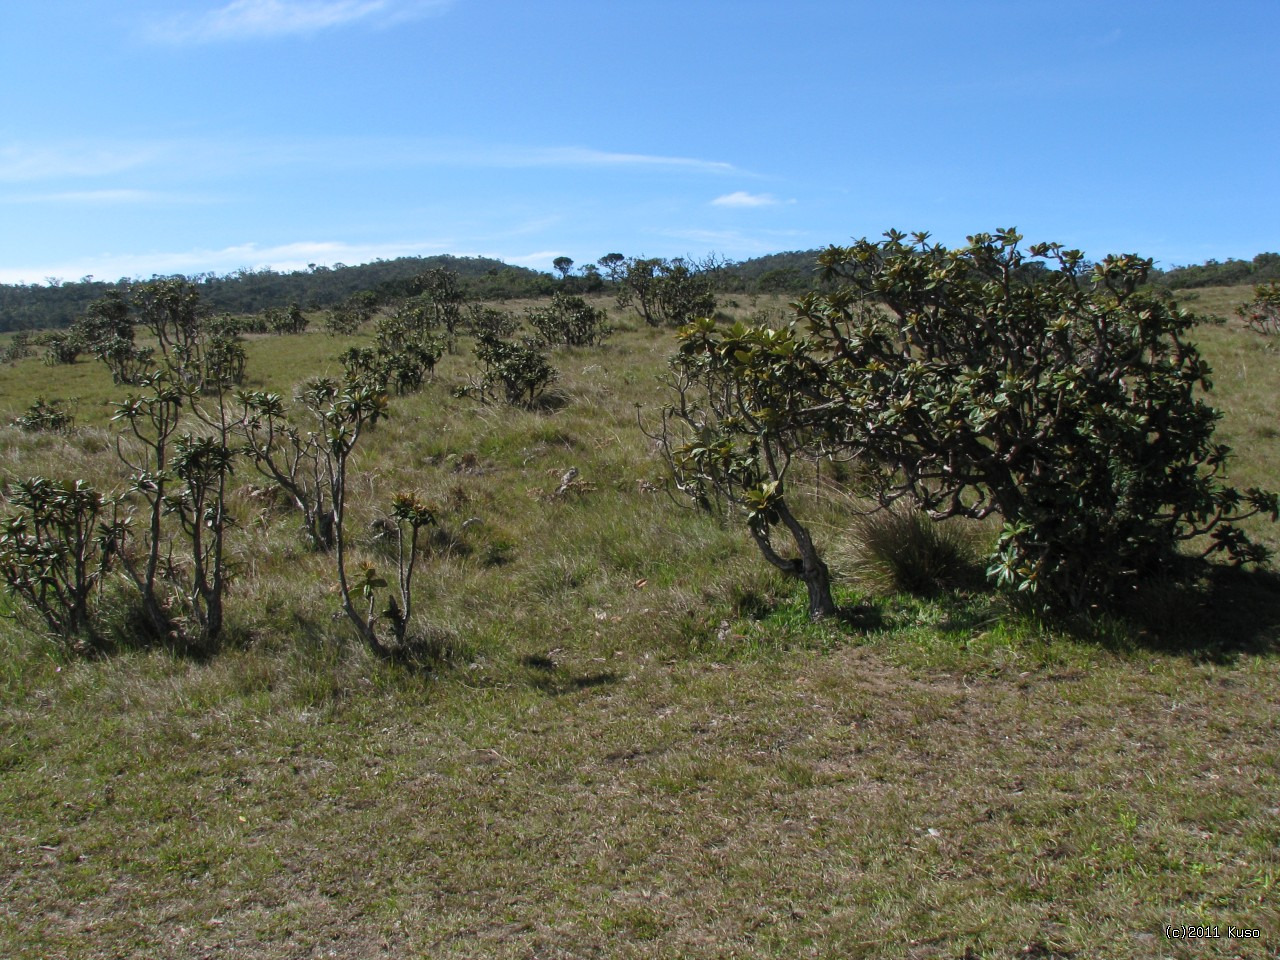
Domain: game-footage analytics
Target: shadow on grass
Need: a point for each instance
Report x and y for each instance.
(545, 675)
(430, 652)
(1205, 612)
(549, 401)
(124, 626)
(1225, 613)
(860, 617)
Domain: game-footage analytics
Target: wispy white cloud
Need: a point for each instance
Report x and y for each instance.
(24, 162)
(582, 157)
(194, 158)
(262, 19)
(442, 152)
(104, 197)
(740, 198)
(282, 257)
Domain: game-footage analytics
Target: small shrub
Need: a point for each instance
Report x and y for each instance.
(402, 359)
(1262, 313)
(491, 322)
(128, 363)
(570, 320)
(521, 370)
(224, 361)
(44, 416)
(19, 348)
(57, 549)
(60, 349)
(342, 322)
(281, 320)
(671, 292)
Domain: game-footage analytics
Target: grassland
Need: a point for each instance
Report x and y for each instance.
(632, 744)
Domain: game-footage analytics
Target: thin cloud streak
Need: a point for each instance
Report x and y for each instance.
(266, 19)
(740, 198)
(576, 156)
(105, 197)
(23, 163)
(189, 158)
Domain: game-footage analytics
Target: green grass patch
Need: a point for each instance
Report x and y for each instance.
(624, 737)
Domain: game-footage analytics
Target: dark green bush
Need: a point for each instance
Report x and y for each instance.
(570, 320)
(977, 381)
(520, 370)
(44, 416)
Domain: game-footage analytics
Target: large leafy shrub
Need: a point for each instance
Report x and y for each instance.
(986, 380)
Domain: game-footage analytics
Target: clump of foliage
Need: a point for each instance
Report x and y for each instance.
(56, 550)
(520, 371)
(59, 348)
(344, 413)
(183, 474)
(570, 320)
(438, 298)
(18, 348)
(313, 469)
(310, 466)
(671, 292)
(345, 318)
(977, 381)
(403, 356)
(409, 516)
(106, 330)
(293, 460)
(202, 353)
(44, 416)
(223, 362)
(282, 320)
(985, 379)
(489, 321)
(1262, 313)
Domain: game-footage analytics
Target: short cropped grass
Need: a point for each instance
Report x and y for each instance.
(629, 741)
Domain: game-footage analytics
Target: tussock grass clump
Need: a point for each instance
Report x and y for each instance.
(900, 550)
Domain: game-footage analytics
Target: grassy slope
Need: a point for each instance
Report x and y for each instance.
(606, 770)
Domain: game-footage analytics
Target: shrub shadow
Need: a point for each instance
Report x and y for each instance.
(551, 679)
(1225, 613)
(549, 401)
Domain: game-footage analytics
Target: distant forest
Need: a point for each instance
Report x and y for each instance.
(56, 304)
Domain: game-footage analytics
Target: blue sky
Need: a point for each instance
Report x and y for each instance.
(142, 137)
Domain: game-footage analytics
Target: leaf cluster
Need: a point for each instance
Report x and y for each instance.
(44, 416)
(570, 320)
